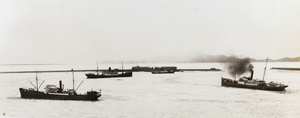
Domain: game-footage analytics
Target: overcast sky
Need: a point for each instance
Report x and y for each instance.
(60, 31)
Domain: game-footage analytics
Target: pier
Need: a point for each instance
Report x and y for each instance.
(281, 68)
(55, 71)
(211, 69)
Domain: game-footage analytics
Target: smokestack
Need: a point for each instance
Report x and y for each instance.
(60, 87)
(251, 77)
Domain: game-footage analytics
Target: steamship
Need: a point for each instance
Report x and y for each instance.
(53, 92)
(248, 82)
(164, 70)
(108, 73)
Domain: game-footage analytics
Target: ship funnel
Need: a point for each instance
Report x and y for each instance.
(252, 72)
(60, 87)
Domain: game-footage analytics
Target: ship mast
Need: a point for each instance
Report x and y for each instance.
(122, 67)
(265, 69)
(97, 68)
(73, 78)
(37, 82)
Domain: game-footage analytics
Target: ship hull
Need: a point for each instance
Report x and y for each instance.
(258, 87)
(162, 72)
(29, 94)
(94, 76)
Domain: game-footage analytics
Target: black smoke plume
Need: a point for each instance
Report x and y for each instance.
(239, 66)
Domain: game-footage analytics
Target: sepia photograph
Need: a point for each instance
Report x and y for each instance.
(149, 58)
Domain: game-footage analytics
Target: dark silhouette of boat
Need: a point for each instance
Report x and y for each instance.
(247, 82)
(53, 92)
(260, 85)
(163, 72)
(109, 73)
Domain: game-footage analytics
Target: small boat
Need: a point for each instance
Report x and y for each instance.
(247, 82)
(53, 92)
(109, 73)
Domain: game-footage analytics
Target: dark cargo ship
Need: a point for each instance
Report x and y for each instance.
(164, 70)
(248, 82)
(109, 73)
(58, 93)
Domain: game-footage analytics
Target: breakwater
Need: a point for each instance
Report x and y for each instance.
(281, 68)
(100, 70)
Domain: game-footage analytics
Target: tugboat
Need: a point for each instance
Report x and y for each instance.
(53, 92)
(109, 73)
(247, 82)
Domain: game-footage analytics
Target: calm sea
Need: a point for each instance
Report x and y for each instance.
(183, 94)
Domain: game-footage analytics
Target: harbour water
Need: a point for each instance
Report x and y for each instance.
(183, 94)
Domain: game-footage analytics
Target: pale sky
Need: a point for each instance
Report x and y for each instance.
(61, 31)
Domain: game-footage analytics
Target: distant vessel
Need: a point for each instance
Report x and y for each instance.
(58, 93)
(253, 84)
(109, 73)
(164, 70)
